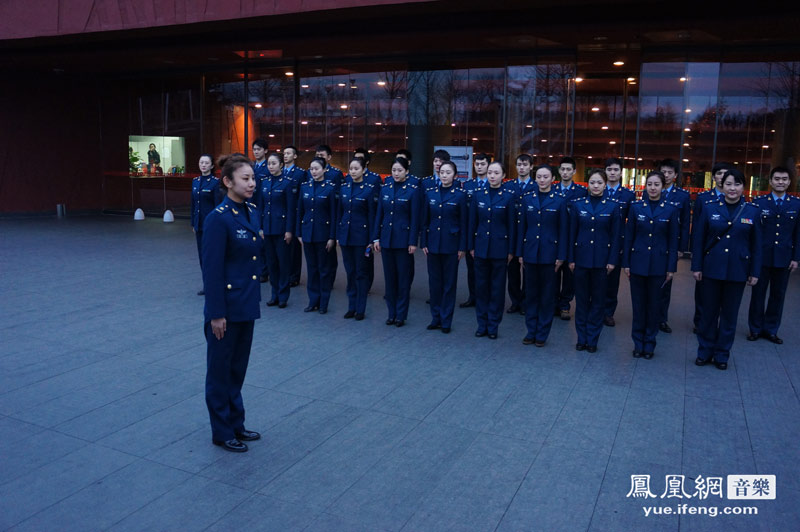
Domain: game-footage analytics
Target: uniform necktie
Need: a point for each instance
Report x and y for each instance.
(779, 202)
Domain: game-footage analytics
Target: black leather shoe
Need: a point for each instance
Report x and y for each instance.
(311, 308)
(528, 340)
(281, 305)
(446, 330)
(492, 336)
(637, 354)
(564, 315)
(234, 445)
(591, 349)
(580, 347)
(264, 278)
(272, 303)
(323, 311)
(513, 309)
(399, 323)
(359, 317)
(248, 435)
(700, 362)
(201, 292)
(294, 283)
(434, 326)
(390, 321)
(664, 327)
(772, 338)
(349, 314)
(468, 303)
(752, 337)
(694, 330)
(608, 321)
(648, 355)
(721, 365)
(538, 343)
(480, 334)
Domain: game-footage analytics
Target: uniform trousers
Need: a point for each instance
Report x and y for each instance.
(590, 294)
(319, 280)
(333, 264)
(357, 269)
(540, 299)
(397, 271)
(370, 265)
(646, 299)
(490, 293)
(278, 256)
(516, 283)
(768, 320)
(297, 261)
(664, 301)
(698, 288)
(470, 277)
(720, 302)
(442, 281)
(226, 367)
(199, 237)
(565, 282)
(612, 289)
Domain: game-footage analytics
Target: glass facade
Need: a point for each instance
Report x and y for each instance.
(698, 113)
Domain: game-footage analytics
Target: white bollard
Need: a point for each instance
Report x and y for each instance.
(168, 217)
(138, 215)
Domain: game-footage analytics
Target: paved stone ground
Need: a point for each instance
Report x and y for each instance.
(366, 427)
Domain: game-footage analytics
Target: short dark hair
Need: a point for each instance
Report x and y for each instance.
(322, 162)
(365, 155)
(524, 157)
(444, 155)
(781, 170)
(721, 166)
(261, 143)
(659, 175)
(544, 167)
(292, 147)
(450, 163)
(231, 163)
(277, 156)
(568, 160)
(612, 161)
(324, 147)
(359, 160)
(599, 171)
(480, 157)
(402, 161)
(500, 164)
(736, 174)
(669, 163)
(403, 153)
(210, 157)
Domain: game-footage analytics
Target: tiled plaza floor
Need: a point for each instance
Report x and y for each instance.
(366, 427)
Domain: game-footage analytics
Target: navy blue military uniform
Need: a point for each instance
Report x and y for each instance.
(703, 198)
(492, 237)
(298, 175)
(444, 233)
(565, 278)
(278, 217)
(396, 228)
(680, 199)
(335, 177)
(780, 224)
(727, 249)
(651, 241)
(541, 241)
(316, 224)
(516, 281)
(357, 207)
(594, 237)
(231, 267)
(470, 186)
(624, 197)
(206, 194)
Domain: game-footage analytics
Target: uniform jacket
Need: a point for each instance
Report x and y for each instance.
(445, 220)
(543, 228)
(594, 233)
(231, 266)
(397, 221)
(780, 228)
(623, 196)
(316, 211)
(682, 201)
(296, 174)
(573, 192)
(734, 255)
(260, 172)
(492, 222)
(519, 189)
(206, 194)
(334, 176)
(651, 238)
(278, 205)
(358, 203)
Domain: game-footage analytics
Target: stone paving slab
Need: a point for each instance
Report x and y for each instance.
(103, 424)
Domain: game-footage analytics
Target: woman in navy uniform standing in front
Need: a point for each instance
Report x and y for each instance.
(444, 241)
(542, 249)
(726, 256)
(593, 254)
(650, 260)
(278, 216)
(231, 246)
(395, 234)
(491, 241)
(357, 204)
(206, 195)
(316, 222)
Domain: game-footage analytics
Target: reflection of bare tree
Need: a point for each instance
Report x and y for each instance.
(781, 90)
(395, 89)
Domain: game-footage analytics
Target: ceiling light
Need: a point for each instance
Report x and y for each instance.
(619, 63)
(290, 74)
(612, 142)
(595, 109)
(683, 79)
(604, 127)
(343, 106)
(258, 106)
(578, 79)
